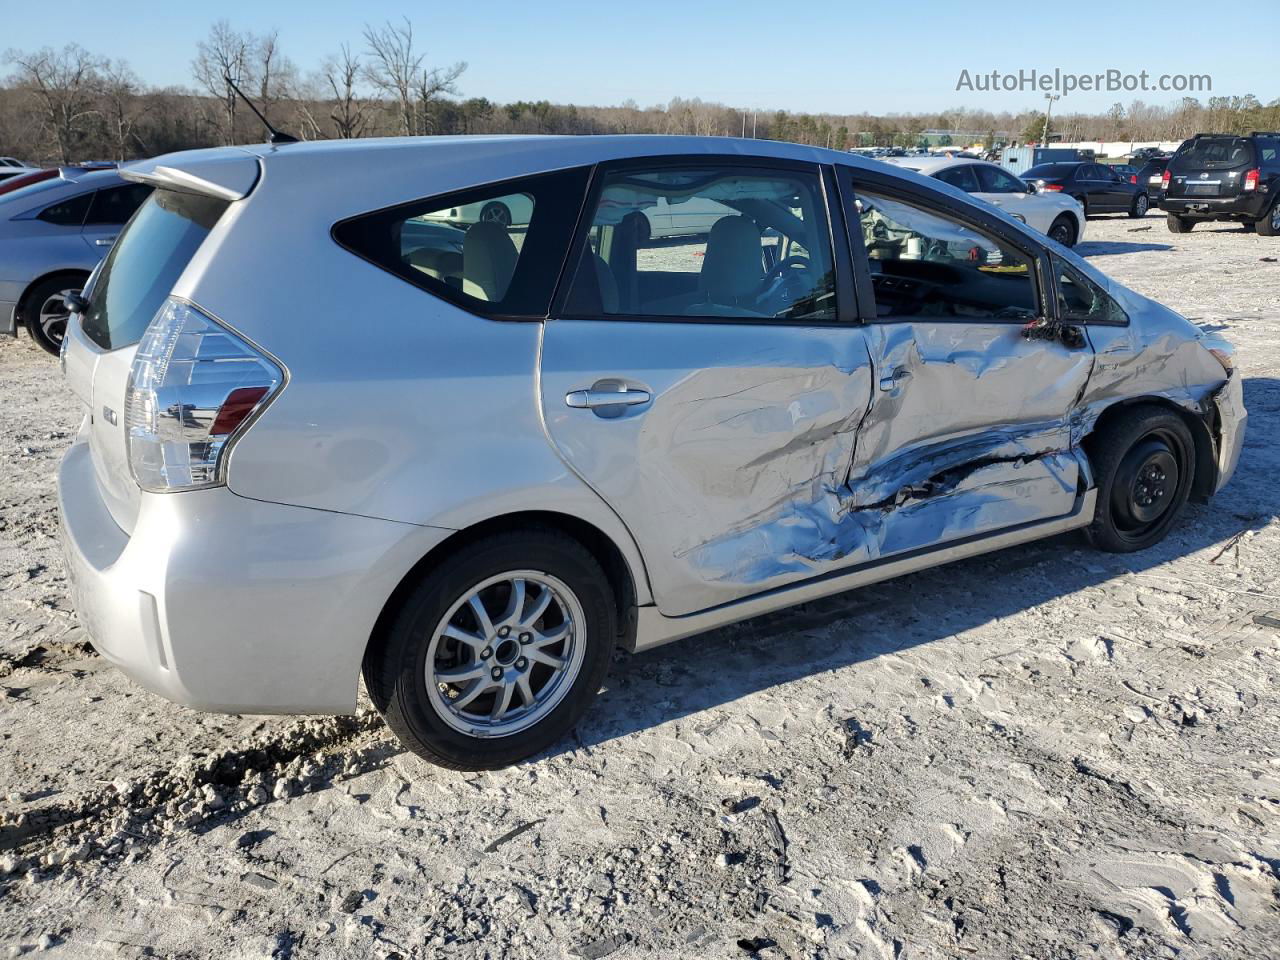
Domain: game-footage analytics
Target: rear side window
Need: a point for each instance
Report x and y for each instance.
(495, 250)
(144, 264)
(68, 213)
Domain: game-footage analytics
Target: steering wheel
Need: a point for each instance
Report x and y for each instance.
(782, 266)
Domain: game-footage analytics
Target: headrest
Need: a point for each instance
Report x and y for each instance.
(488, 261)
(732, 267)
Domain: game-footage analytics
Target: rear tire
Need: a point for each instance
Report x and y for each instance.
(44, 310)
(1141, 204)
(1178, 224)
(1144, 466)
(1269, 225)
(473, 692)
(1063, 230)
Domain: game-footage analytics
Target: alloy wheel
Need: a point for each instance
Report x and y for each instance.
(505, 654)
(54, 314)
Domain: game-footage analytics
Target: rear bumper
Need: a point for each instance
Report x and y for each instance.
(1232, 418)
(223, 603)
(1247, 206)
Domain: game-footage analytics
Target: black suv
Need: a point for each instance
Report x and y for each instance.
(1217, 176)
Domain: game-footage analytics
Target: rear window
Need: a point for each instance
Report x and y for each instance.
(144, 264)
(1210, 153)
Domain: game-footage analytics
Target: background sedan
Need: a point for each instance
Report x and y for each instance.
(1098, 188)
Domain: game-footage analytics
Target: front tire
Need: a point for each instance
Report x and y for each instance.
(1178, 224)
(1140, 205)
(498, 651)
(1144, 465)
(45, 312)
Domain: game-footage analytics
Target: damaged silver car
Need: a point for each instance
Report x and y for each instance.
(327, 429)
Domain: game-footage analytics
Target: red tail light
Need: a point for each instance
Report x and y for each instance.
(1164, 180)
(1052, 188)
(238, 405)
(1251, 179)
(1133, 178)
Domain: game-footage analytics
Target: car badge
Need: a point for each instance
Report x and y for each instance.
(1204, 176)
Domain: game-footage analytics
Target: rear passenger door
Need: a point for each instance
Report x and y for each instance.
(969, 429)
(709, 387)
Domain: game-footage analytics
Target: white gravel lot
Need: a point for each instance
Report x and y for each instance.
(1043, 753)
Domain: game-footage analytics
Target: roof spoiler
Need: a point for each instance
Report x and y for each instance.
(226, 176)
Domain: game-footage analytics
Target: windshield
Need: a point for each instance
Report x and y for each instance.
(1214, 153)
(1059, 170)
(144, 264)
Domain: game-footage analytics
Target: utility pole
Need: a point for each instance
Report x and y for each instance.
(1044, 139)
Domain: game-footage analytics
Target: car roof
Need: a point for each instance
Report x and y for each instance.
(928, 166)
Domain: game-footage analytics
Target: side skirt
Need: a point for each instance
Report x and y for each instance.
(653, 629)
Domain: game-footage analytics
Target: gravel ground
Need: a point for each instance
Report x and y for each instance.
(1043, 753)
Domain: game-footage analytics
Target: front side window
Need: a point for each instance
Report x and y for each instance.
(924, 264)
(68, 213)
(495, 250)
(1080, 299)
(707, 241)
(995, 180)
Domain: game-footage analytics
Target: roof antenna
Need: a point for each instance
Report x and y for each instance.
(276, 135)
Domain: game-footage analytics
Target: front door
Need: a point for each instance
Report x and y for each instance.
(708, 390)
(968, 431)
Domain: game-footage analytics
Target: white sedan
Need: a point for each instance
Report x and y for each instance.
(1056, 215)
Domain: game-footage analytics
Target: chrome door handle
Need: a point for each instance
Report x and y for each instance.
(104, 241)
(588, 399)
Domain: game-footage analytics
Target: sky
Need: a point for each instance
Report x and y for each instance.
(817, 56)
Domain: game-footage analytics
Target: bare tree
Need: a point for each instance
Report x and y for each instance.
(122, 106)
(349, 113)
(432, 85)
(276, 74)
(66, 84)
(393, 68)
(226, 53)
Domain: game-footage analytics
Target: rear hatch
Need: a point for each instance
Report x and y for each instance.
(1211, 167)
(146, 262)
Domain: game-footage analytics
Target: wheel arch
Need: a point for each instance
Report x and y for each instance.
(25, 299)
(622, 579)
(1203, 428)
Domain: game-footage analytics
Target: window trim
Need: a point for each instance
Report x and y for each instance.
(846, 316)
(850, 178)
(449, 295)
(1056, 263)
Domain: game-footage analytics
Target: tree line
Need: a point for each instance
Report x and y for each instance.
(68, 105)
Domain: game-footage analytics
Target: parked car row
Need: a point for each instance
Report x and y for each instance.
(581, 437)
(54, 230)
(1097, 187)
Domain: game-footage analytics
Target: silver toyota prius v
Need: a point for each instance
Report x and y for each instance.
(337, 421)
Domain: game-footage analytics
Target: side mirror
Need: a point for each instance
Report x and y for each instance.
(1031, 188)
